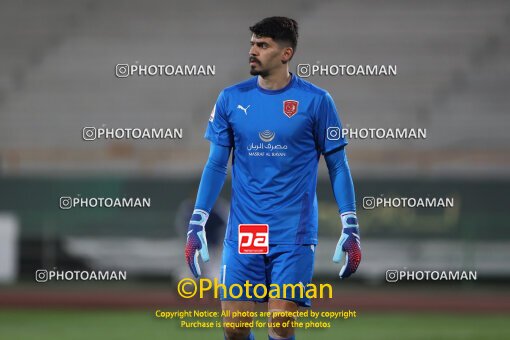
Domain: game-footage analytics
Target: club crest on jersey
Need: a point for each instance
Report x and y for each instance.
(290, 107)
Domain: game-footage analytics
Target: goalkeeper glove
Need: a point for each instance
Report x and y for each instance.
(196, 242)
(349, 245)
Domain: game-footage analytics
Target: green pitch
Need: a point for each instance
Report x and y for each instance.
(94, 324)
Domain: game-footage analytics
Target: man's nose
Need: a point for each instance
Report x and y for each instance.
(253, 51)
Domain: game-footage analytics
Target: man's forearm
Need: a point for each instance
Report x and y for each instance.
(341, 180)
(213, 177)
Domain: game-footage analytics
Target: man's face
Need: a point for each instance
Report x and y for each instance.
(265, 55)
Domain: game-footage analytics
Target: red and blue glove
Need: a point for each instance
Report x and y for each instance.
(348, 245)
(196, 242)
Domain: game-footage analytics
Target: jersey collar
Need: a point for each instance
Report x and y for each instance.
(283, 89)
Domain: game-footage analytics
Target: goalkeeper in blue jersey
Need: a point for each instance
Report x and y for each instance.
(276, 126)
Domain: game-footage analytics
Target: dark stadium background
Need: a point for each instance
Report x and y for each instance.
(57, 76)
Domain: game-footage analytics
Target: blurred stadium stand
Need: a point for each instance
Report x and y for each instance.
(57, 76)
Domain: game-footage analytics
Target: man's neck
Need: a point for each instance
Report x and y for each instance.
(275, 81)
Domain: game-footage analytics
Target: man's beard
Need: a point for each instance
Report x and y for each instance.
(262, 73)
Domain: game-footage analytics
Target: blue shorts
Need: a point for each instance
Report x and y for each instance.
(283, 264)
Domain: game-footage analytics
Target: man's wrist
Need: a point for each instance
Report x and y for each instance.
(199, 217)
(349, 219)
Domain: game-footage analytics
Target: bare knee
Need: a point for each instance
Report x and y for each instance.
(282, 328)
(237, 333)
(241, 332)
(281, 325)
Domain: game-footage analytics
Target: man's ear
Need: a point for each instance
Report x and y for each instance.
(287, 54)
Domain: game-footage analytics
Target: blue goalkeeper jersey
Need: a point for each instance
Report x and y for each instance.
(277, 137)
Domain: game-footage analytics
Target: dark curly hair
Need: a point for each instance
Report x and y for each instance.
(280, 29)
